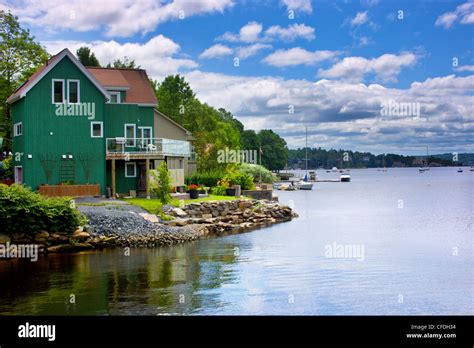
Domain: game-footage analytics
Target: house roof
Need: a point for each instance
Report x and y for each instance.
(135, 81)
(172, 121)
(139, 90)
(50, 64)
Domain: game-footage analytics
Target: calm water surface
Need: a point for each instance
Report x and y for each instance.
(416, 229)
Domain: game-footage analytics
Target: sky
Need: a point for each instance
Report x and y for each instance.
(367, 75)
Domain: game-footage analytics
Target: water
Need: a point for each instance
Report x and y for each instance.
(416, 230)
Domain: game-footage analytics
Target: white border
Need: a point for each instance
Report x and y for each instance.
(78, 91)
(134, 169)
(52, 91)
(15, 133)
(134, 134)
(119, 99)
(101, 129)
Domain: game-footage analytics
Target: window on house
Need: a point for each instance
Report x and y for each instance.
(114, 97)
(130, 170)
(73, 91)
(58, 91)
(17, 129)
(130, 131)
(145, 135)
(96, 129)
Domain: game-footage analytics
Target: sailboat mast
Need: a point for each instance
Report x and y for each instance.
(306, 151)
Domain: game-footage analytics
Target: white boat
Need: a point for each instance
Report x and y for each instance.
(471, 169)
(345, 177)
(334, 169)
(460, 170)
(423, 169)
(303, 185)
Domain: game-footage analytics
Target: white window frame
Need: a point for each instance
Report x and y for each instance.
(52, 90)
(101, 129)
(78, 91)
(118, 97)
(134, 169)
(141, 134)
(15, 174)
(134, 134)
(15, 130)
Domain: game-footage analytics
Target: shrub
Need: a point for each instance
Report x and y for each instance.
(7, 168)
(220, 189)
(206, 179)
(238, 178)
(22, 210)
(257, 171)
(161, 186)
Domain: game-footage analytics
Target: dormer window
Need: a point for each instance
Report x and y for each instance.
(114, 97)
(58, 91)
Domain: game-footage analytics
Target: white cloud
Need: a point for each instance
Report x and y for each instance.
(251, 32)
(298, 5)
(386, 67)
(465, 68)
(360, 18)
(291, 33)
(248, 33)
(346, 115)
(216, 51)
(157, 56)
(251, 50)
(463, 14)
(298, 56)
(120, 18)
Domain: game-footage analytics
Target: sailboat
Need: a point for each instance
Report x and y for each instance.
(426, 167)
(384, 166)
(304, 184)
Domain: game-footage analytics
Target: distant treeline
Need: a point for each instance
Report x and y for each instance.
(321, 158)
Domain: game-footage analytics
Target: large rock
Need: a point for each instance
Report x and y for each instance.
(80, 235)
(150, 217)
(179, 212)
(41, 237)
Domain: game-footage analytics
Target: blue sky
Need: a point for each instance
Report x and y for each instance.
(327, 65)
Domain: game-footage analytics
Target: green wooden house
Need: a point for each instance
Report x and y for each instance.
(82, 125)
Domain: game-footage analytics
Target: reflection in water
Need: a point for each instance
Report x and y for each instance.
(150, 281)
(283, 269)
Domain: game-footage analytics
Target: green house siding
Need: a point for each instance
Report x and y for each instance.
(117, 115)
(47, 135)
(50, 136)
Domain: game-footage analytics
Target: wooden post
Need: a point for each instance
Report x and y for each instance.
(113, 178)
(147, 180)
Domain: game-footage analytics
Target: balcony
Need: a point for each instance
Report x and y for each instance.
(119, 148)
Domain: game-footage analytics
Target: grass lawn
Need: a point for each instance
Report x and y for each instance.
(154, 206)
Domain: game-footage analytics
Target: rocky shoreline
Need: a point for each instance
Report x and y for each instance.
(123, 225)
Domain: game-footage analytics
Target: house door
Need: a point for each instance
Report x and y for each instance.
(142, 178)
(19, 175)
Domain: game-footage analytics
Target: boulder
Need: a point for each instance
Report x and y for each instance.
(206, 216)
(179, 212)
(80, 235)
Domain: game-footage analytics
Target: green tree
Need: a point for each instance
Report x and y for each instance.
(249, 140)
(174, 95)
(126, 63)
(161, 186)
(275, 152)
(86, 57)
(20, 56)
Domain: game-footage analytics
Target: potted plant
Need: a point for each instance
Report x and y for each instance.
(193, 190)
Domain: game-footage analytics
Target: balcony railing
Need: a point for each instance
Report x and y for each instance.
(159, 146)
